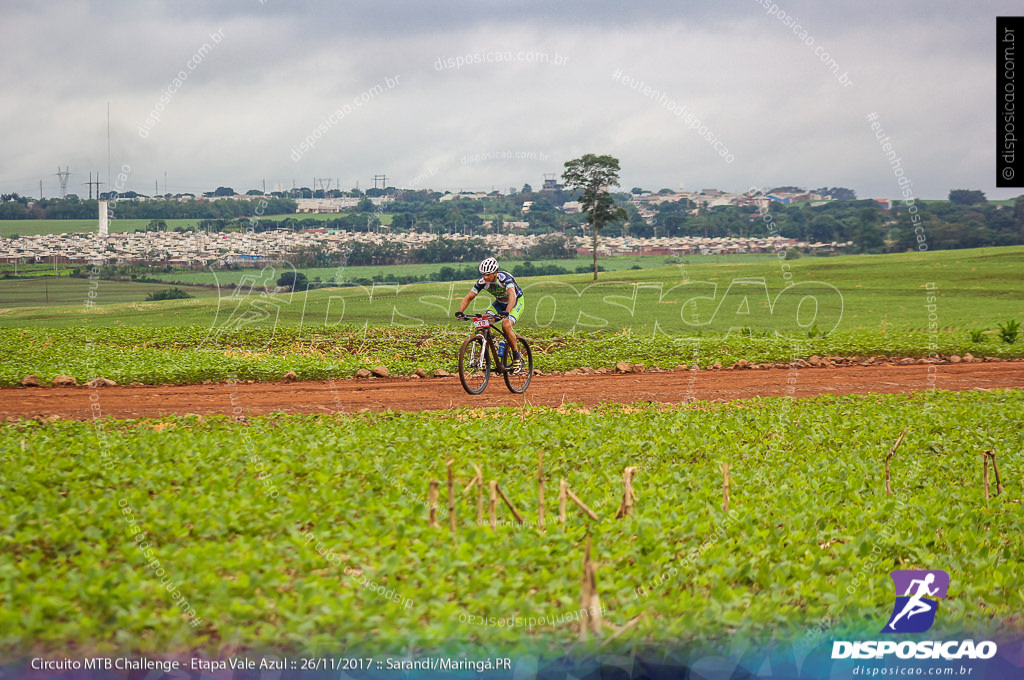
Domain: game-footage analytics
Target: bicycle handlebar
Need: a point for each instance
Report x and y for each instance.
(470, 317)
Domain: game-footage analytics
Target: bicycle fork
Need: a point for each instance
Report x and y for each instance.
(483, 354)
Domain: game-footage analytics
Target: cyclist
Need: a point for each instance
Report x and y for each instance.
(508, 299)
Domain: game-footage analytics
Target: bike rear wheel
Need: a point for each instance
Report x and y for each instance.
(518, 381)
(474, 364)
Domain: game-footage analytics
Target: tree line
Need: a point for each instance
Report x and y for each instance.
(15, 207)
(866, 223)
(966, 220)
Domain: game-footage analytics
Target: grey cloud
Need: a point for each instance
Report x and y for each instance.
(284, 67)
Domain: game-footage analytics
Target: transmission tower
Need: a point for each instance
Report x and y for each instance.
(97, 184)
(62, 176)
(383, 179)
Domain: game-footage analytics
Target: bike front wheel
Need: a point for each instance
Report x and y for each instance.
(474, 365)
(518, 381)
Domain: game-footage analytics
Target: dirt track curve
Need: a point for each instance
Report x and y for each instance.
(408, 394)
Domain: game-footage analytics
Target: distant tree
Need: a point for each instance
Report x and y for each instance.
(527, 189)
(543, 214)
(543, 204)
(594, 176)
(402, 221)
(445, 250)
(837, 193)
(637, 190)
(633, 218)
(823, 229)
(967, 197)
(293, 280)
(224, 191)
(663, 192)
(168, 294)
(868, 237)
(552, 247)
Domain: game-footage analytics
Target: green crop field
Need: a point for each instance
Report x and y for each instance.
(972, 289)
(74, 292)
(311, 532)
(894, 305)
(339, 273)
(193, 354)
(9, 228)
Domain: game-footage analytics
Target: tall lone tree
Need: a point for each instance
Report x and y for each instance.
(594, 176)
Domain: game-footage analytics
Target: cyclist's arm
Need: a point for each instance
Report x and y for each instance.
(466, 300)
(511, 290)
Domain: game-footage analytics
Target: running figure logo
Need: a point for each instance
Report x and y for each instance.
(912, 613)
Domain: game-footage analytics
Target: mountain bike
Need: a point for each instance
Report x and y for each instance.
(478, 356)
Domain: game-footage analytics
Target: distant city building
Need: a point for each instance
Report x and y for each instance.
(464, 195)
(331, 205)
(200, 249)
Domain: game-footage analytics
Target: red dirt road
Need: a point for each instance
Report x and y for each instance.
(407, 394)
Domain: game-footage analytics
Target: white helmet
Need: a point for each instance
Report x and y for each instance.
(488, 266)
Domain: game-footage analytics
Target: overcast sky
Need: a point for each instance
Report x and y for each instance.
(543, 91)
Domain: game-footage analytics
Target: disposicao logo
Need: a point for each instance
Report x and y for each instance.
(913, 613)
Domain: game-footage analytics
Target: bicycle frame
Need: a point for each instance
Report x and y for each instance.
(485, 331)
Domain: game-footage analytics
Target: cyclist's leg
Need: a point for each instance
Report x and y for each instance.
(509, 321)
(496, 309)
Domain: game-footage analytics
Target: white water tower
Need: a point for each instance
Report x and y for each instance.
(104, 223)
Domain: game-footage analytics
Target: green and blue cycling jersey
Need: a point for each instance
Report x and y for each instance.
(499, 289)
